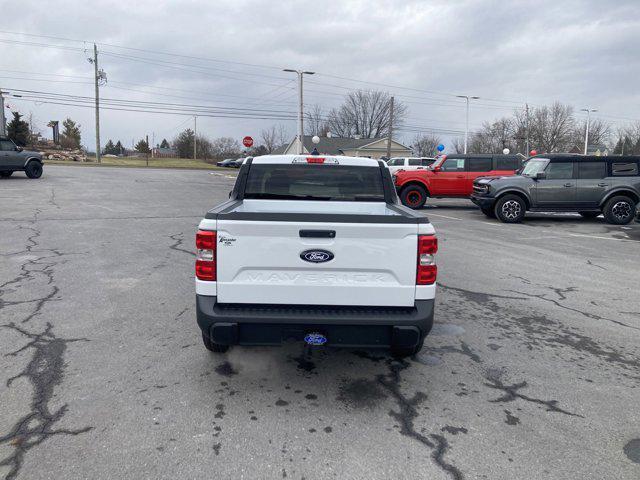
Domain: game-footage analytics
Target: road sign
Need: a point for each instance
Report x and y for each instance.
(247, 141)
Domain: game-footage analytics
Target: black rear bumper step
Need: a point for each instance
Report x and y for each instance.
(344, 326)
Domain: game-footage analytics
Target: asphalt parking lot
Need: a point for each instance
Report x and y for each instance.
(532, 369)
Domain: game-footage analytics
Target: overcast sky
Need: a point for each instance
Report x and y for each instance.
(584, 53)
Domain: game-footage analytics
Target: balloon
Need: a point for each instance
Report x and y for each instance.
(506, 151)
(316, 139)
(440, 147)
(533, 152)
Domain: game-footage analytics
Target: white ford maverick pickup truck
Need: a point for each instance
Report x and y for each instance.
(315, 249)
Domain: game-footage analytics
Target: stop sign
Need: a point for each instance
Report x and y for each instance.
(247, 141)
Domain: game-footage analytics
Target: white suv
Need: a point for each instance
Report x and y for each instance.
(409, 163)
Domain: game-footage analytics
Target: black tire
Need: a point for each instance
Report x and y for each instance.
(34, 169)
(488, 211)
(510, 209)
(212, 346)
(619, 210)
(414, 196)
(407, 352)
(5, 174)
(589, 214)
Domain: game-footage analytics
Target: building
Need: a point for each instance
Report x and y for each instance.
(598, 150)
(351, 147)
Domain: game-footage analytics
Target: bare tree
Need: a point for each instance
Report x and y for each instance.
(365, 113)
(551, 128)
(315, 122)
(274, 137)
(225, 147)
(493, 137)
(424, 145)
(628, 140)
(600, 132)
(268, 137)
(458, 144)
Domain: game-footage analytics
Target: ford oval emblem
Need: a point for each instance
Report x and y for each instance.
(316, 256)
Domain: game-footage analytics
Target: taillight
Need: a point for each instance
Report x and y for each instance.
(206, 256)
(315, 160)
(427, 269)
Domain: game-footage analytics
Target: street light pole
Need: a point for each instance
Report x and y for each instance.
(300, 73)
(466, 130)
(586, 133)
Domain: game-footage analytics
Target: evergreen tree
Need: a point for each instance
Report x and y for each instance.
(119, 149)
(184, 143)
(18, 130)
(143, 147)
(617, 150)
(71, 134)
(109, 148)
(165, 144)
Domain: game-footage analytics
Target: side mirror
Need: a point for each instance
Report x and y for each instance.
(230, 193)
(19, 149)
(437, 168)
(541, 175)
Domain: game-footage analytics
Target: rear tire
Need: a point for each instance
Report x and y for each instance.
(488, 211)
(589, 214)
(413, 196)
(619, 210)
(212, 346)
(407, 351)
(33, 169)
(5, 174)
(510, 209)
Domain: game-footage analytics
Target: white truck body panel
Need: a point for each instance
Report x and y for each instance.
(259, 261)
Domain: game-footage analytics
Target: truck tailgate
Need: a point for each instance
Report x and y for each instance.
(260, 262)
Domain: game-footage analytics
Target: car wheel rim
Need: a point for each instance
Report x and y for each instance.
(621, 210)
(511, 209)
(414, 198)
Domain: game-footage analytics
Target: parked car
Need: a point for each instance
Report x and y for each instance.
(451, 176)
(316, 249)
(14, 158)
(589, 185)
(409, 163)
(227, 162)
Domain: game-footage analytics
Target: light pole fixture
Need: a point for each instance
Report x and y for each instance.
(466, 130)
(300, 73)
(586, 133)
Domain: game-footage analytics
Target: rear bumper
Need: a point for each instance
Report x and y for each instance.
(482, 202)
(248, 324)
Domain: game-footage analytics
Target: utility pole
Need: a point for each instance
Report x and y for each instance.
(195, 136)
(3, 121)
(300, 73)
(586, 133)
(153, 142)
(97, 78)
(526, 129)
(466, 130)
(147, 152)
(390, 129)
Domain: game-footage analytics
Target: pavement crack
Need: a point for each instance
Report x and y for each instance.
(44, 371)
(560, 292)
(511, 393)
(178, 239)
(463, 350)
(407, 413)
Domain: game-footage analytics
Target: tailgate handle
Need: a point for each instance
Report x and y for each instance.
(318, 233)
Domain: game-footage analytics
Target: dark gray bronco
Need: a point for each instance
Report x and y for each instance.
(14, 158)
(589, 185)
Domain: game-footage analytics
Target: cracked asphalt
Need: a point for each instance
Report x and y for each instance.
(532, 369)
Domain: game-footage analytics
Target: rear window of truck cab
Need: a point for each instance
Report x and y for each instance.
(314, 182)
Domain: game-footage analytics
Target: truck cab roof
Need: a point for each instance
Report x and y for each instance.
(326, 159)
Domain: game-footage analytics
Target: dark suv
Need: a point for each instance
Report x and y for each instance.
(14, 158)
(589, 185)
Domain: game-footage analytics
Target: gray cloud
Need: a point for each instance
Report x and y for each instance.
(578, 52)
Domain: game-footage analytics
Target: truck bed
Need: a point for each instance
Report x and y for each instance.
(315, 211)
